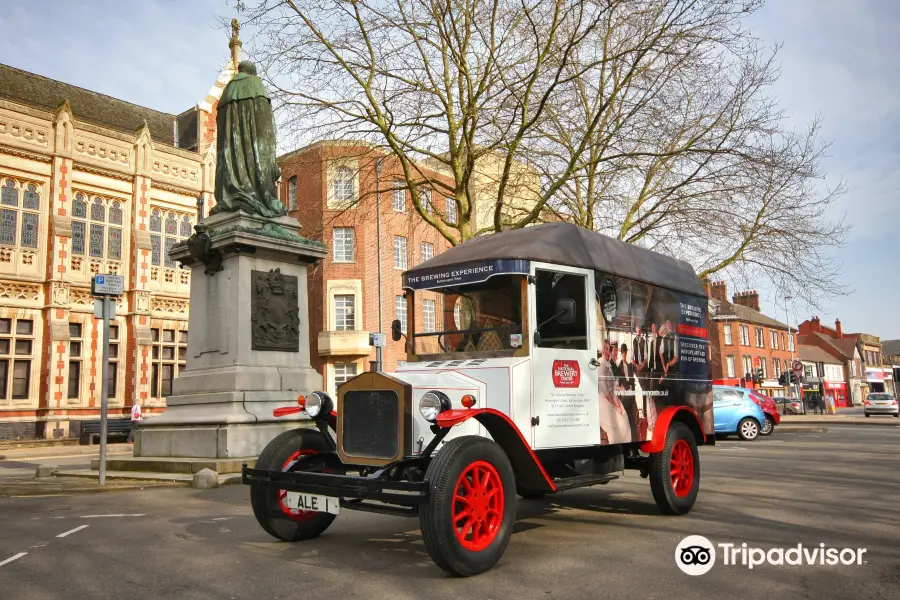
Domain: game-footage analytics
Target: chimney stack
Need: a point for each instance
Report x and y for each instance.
(816, 324)
(838, 329)
(717, 290)
(749, 299)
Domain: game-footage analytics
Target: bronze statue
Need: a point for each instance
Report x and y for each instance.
(246, 171)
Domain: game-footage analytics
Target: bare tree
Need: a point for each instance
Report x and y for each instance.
(694, 160)
(643, 119)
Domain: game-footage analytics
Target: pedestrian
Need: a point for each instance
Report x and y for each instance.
(136, 417)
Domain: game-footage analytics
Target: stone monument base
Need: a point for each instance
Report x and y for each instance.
(248, 348)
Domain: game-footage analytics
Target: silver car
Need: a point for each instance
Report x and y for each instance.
(879, 403)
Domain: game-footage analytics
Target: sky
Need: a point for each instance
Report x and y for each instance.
(839, 60)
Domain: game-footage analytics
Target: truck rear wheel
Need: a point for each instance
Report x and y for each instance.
(290, 451)
(675, 471)
(470, 512)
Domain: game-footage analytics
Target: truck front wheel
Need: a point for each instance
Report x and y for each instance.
(675, 471)
(469, 515)
(291, 451)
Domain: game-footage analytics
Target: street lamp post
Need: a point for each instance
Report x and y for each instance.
(378, 351)
(791, 343)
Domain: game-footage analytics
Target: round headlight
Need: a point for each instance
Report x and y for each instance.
(432, 404)
(318, 403)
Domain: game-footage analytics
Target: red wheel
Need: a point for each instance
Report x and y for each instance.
(478, 506)
(681, 468)
(675, 471)
(291, 451)
(470, 512)
(294, 513)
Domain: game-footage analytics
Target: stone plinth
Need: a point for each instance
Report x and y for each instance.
(222, 402)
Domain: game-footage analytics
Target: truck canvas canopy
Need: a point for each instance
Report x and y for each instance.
(558, 243)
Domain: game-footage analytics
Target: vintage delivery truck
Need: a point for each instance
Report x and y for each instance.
(538, 360)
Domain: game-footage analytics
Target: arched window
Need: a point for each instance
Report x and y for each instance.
(96, 229)
(186, 227)
(171, 238)
(11, 232)
(343, 185)
(155, 230)
(166, 230)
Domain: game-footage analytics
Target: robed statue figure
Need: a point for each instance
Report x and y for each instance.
(246, 171)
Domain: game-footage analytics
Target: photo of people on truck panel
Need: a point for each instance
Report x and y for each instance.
(640, 368)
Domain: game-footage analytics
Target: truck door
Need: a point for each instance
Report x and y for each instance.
(564, 403)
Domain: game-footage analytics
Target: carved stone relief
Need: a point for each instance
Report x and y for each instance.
(275, 311)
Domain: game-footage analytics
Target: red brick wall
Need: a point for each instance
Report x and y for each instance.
(318, 222)
(719, 350)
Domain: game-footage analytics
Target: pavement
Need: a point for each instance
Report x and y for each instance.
(848, 416)
(837, 488)
(18, 466)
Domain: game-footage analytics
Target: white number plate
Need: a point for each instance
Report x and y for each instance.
(312, 502)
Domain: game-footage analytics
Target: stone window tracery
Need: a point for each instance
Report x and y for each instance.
(19, 223)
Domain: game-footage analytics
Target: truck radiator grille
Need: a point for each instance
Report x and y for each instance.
(371, 424)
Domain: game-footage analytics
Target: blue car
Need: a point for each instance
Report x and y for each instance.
(735, 412)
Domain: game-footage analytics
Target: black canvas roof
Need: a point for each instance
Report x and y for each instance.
(571, 245)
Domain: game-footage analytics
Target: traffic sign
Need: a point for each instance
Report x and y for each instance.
(379, 340)
(108, 285)
(798, 368)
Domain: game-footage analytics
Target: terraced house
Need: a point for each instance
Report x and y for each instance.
(742, 340)
(92, 184)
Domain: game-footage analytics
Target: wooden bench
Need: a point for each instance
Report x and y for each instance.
(91, 429)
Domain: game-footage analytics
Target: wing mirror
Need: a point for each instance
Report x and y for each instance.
(565, 310)
(396, 332)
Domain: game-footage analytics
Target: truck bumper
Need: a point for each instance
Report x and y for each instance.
(371, 494)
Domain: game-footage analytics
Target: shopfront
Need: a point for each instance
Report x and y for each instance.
(837, 391)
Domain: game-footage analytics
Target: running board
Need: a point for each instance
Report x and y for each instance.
(569, 483)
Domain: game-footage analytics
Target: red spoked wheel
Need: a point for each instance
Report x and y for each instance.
(681, 468)
(294, 513)
(675, 471)
(468, 517)
(291, 451)
(478, 506)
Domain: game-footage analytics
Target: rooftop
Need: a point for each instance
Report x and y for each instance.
(723, 309)
(890, 347)
(845, 347)
(816, 354)
(91, 107)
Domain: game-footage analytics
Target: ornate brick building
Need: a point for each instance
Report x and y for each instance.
(92, 184)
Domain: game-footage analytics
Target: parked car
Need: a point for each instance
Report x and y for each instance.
(734, 411)
(788, 406)
(767, 404)
(880, 403)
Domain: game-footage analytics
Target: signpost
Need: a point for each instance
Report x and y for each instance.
(797, 367)
(105, 286)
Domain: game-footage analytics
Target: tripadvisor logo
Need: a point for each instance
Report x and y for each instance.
(696, 555)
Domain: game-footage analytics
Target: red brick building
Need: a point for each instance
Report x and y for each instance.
(330, 188)
(844, 347)
(742, 339)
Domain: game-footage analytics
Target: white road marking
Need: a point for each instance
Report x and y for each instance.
(12, 558)
(122, 515)
(62, 535)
